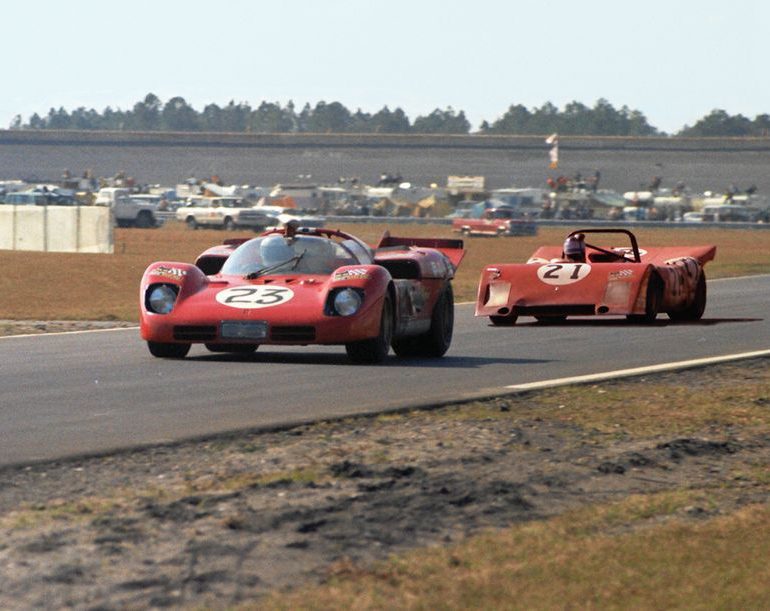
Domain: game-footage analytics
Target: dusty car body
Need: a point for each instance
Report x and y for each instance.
(496, 222)
(328, 288)
(613, 280)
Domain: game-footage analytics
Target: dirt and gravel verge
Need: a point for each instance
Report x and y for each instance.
(219, 522)
(33, 327)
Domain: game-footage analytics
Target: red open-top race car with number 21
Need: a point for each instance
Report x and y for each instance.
(299, 286)
(586, 279)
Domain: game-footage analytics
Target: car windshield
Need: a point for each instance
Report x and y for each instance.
(278, 255)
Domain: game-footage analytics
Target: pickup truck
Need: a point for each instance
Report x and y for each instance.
(224, 213)
(496, 221)
(127, 210)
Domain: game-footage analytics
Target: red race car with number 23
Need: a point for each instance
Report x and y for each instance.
(299, 286)
(584, 279)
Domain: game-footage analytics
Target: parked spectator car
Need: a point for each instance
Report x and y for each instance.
(224, 213)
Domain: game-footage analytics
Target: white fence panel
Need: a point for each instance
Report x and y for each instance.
(56, 228)
(6, 228)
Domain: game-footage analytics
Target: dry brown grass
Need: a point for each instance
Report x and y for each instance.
(51, 286)
(663, 563)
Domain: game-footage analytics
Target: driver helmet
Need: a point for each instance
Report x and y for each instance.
(575, 248)
(275, 249)
(319, 255)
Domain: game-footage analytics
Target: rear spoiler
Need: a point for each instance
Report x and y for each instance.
(664, 254)
(451, 247)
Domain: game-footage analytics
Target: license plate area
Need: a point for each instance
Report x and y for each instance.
(253, 329)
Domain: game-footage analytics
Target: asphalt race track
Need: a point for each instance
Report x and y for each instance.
(69, 394)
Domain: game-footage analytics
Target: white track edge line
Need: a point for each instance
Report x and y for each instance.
(68, 332)
(636, 371)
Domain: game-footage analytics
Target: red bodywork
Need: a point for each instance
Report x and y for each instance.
(296, 307)
(614, 280)
(495, 222)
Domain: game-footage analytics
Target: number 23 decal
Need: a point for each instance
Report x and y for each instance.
(563, 273)
(252, 297)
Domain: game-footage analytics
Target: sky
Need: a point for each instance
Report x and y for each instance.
(675, 61)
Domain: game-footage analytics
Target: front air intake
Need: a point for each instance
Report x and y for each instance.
(292, 334)
(195, 333)
(575, 309)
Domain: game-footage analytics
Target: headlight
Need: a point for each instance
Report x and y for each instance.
(161, 298)
(347, 302)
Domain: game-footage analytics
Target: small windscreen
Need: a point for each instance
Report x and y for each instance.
(279, 255)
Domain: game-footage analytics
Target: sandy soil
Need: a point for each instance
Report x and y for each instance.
(221, 522)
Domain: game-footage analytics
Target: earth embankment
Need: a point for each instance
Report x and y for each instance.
(267, 159)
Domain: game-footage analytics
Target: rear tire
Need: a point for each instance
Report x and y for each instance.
(436, 341)
(229, 224)
(653, 303)
(374, 350)
(168, 351)
(694, 311)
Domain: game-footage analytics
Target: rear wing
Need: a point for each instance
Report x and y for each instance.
(664, 254)
(211, 260)
(452, 248)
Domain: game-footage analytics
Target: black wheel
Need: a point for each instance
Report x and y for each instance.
(235, 348)
(229, 224)
(654, 301)
(191, 222)
(375, 350)
(436, 341)
(694, 311)
(550, 320)
(504, 321)
(168, 351)
(145, 220)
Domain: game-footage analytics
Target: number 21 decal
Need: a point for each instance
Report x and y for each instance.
(563, 273)
(252, 297)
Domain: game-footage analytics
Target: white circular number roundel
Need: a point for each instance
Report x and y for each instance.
(563, 273)
(252, 297)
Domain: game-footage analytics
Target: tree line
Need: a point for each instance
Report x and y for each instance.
(603, 119)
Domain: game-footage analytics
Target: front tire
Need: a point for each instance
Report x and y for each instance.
(374, 350)
(229, 224)
(168, 351)
(191, 223)
(436, 341)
